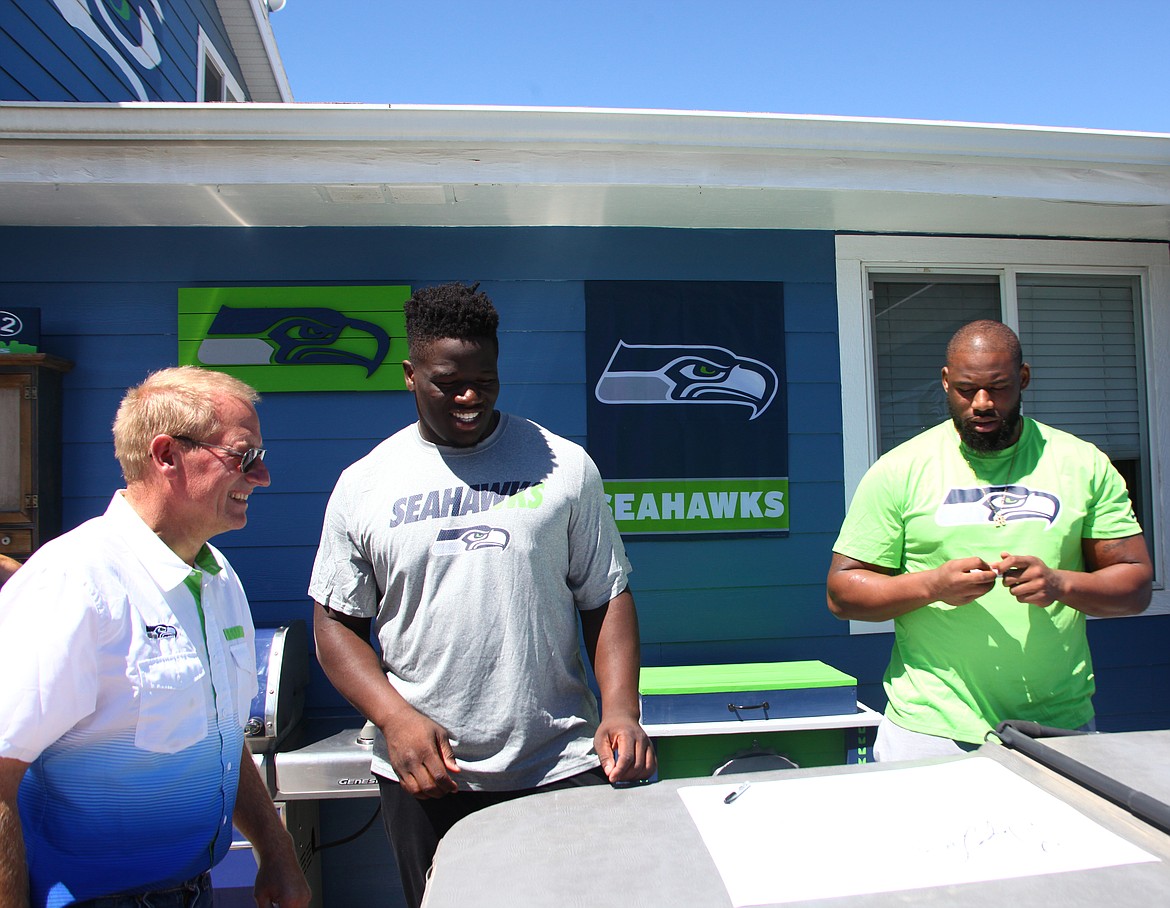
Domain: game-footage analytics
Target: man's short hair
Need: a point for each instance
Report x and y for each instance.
(987, 333)
(449, 311)
(181, 400)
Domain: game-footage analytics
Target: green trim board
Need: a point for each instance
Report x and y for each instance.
(320, 338)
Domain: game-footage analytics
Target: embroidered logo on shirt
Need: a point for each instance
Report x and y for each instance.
(158, 631)
(470, 539)
(972, 507)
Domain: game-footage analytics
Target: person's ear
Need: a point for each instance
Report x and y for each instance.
(408, 374)
(1025, 375)
(162, 453)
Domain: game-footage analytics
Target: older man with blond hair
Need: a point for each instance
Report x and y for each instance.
(129, 670)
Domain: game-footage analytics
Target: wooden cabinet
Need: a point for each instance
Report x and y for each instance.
(30, 451)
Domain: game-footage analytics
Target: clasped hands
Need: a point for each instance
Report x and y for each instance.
(1026, 577)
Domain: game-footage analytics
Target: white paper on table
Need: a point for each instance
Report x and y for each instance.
(964, 821)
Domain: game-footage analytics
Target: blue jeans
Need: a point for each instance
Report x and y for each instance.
(195, 893)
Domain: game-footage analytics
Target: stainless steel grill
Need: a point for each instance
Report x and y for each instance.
(282, 669)
(333, 765)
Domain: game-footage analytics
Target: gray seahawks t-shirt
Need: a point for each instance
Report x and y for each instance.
(473, 563)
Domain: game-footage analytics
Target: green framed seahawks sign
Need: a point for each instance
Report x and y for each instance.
(297, 338)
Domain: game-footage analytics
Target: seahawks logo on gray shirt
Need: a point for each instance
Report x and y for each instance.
(470, 539)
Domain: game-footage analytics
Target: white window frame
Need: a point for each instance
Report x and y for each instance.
(207, 49)
(859, 257)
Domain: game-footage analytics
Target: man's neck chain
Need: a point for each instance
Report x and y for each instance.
(997, 516)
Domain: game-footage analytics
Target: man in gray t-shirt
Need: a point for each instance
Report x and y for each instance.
(473, 542)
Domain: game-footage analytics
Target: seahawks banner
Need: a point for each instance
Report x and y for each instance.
(687, 406)
(297, 338)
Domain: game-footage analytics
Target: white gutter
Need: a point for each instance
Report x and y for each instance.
(517, 127)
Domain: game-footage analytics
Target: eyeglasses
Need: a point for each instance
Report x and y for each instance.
(248, 459)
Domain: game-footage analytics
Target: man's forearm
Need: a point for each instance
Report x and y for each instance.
(255, 814)
(13, 869)
(13, 864)
(1109, 592)
(863, 595)
(611, 635)
(353, 667)
(279, 878)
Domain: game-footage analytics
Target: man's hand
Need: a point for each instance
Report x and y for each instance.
(420, 754)
(1030, 580)
(861, 591)
(281, 883)
(962, 580)
(625, 750)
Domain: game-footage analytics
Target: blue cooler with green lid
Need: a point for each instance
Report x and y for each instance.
(736, 692)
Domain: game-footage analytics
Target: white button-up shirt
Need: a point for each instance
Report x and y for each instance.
(129, 705)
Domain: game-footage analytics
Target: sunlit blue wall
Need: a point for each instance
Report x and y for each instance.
(108, 301)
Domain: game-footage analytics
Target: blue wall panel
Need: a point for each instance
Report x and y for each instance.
(108, 302)
(28, 69)
(47, 55)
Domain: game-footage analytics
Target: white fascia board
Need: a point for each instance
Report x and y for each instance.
(268, 39)
(315, 144)
(522, 127)
(305, 163)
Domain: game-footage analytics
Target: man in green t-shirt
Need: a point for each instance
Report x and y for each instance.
(987, 539)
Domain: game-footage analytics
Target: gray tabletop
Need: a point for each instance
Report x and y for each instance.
(640, 847)
(1139, 759)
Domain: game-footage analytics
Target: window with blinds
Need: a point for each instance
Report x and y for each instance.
(913, 318)
(1080, 334)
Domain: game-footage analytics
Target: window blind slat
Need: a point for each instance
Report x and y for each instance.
(1080, 338)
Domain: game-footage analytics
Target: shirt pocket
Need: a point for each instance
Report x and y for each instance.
(172, 714)
(243, 663)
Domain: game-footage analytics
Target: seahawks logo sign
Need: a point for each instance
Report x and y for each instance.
(337, 338)
(686, 374)
(286, 337)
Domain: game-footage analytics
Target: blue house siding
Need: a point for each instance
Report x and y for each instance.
(108, 300)
(46, 57)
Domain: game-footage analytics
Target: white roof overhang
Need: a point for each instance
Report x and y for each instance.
(372, 165)
(254, 47)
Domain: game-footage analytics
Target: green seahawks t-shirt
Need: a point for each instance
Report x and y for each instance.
(957, 671)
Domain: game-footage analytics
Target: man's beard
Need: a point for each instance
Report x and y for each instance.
(985, 442)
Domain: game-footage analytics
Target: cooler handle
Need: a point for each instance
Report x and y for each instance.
(732, 708)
